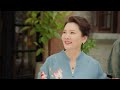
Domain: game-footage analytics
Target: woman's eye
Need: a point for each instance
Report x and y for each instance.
(72, 32)
(64, 32)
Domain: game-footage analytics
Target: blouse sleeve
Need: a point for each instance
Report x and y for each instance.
(101, 74)
(44, 72)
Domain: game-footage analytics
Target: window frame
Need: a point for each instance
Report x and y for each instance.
(99, 19)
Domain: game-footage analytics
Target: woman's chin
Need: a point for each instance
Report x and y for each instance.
(68, 48)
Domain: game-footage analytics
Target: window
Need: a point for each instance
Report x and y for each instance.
(25, 49)
(105, 21)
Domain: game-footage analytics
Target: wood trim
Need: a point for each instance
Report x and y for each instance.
(118, 22)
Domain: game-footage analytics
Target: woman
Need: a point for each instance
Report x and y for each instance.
(72, 62)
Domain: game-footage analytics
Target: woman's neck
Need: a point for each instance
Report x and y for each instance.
(73, 54)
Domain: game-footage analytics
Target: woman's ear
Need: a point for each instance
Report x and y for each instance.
(84, 39)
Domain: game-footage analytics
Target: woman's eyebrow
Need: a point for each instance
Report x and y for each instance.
(64, 30)
(69, 30)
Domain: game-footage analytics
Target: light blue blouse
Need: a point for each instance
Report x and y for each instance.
(57, 66)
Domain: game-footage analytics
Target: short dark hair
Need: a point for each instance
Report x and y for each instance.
(83, 24)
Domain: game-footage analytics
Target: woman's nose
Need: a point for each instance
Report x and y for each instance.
(67, 36)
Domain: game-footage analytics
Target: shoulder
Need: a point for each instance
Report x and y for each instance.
(117, 42)
(54, 57)
(90, 59)
(94, 66)
(116, 46)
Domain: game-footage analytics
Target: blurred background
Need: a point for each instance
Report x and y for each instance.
(18, 48)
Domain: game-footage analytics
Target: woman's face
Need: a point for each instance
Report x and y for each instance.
(72, 37)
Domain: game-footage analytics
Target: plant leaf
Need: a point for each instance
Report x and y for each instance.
(39, 51)
(29, 20)
(57, 35)
(32, 32)
(25, 28)
(35, 43)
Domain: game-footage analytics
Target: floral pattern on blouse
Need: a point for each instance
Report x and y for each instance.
(43, 75)
(57, 74)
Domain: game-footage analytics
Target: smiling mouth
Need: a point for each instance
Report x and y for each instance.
(67, 42)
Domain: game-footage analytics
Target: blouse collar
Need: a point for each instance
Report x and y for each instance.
(78, 58)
